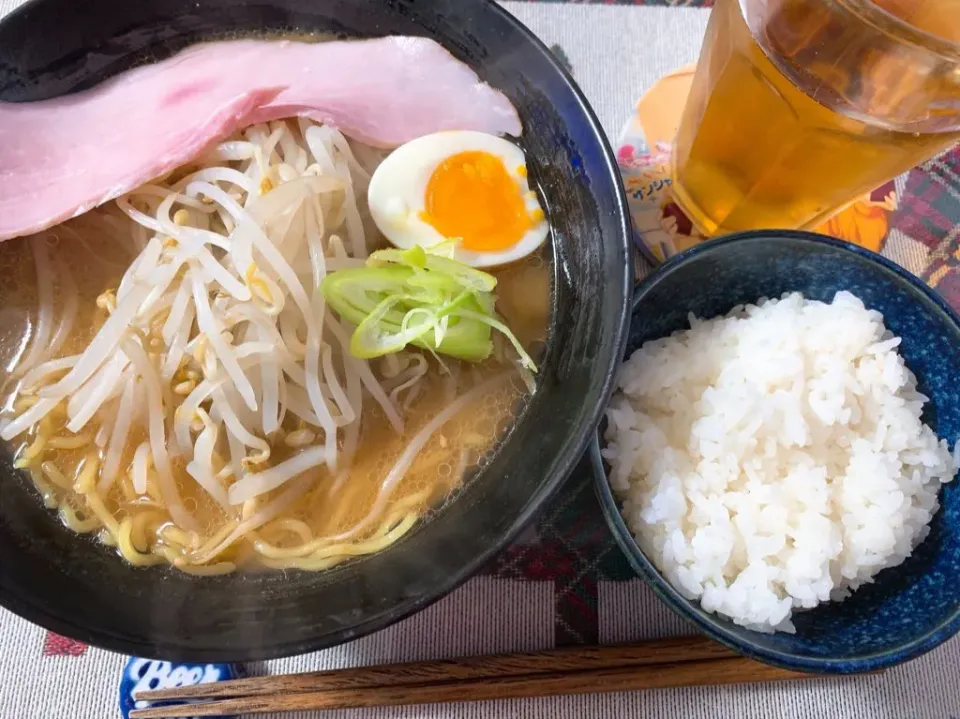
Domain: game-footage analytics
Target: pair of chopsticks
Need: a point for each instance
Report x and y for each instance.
(674, 662)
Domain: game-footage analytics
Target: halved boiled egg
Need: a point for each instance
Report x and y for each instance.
(467, 186)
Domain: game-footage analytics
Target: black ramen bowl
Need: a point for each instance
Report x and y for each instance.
(74, 586)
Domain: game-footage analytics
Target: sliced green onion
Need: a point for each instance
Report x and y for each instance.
(416, 258)
(374, 337)
(525, 359)
(405, 297)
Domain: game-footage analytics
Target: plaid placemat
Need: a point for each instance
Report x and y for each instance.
(565, 581)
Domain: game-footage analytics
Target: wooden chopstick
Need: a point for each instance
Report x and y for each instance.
(582, 670)
(663, 651)
(734, 670)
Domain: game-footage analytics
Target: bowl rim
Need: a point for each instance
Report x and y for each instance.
(713, 625)
(569, 457)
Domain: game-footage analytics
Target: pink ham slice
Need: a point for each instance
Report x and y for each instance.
(62, 157)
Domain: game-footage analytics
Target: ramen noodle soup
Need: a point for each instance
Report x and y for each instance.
(229, 367)
(798, 107)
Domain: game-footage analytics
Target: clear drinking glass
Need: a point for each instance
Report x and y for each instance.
(800, 106)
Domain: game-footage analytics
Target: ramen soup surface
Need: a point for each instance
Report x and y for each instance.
(104, 479)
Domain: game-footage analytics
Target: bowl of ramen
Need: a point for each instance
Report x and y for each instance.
(288, 351)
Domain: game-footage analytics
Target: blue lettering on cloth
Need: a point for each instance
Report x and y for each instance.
(144, 674)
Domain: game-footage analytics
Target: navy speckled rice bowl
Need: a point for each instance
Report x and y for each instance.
(909, 609)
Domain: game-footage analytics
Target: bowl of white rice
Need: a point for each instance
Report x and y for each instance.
(779, 454)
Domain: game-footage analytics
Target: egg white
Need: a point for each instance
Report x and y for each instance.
(397, 193)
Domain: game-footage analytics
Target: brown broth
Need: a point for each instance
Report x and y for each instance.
(329, 507)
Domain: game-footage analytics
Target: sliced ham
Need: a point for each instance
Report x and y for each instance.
(62, 157)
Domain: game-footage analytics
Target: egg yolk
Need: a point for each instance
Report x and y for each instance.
(471, 196)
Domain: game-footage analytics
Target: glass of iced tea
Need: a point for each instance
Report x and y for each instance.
(800, 106)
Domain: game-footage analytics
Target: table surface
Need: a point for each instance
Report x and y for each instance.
(565, 582)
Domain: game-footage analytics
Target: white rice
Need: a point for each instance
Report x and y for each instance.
(774, 459)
